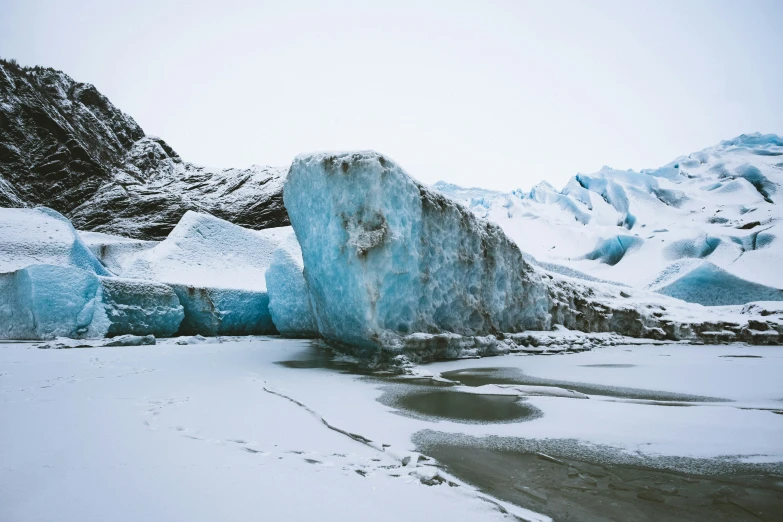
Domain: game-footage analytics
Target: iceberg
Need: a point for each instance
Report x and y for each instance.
(289, 300)
(386, 256)
(115, 252)
(209, 252)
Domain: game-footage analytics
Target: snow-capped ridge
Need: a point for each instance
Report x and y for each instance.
(718, 204)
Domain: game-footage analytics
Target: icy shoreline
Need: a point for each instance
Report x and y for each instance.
(251, 421)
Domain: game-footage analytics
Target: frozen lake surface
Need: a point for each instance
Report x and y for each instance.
(269, 429)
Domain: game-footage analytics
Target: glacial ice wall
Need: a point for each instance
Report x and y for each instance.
(385, 256)
(48, 301)
(224, 311)
(138, 307)
(289, 300)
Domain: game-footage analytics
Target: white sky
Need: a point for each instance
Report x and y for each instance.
(493, 94)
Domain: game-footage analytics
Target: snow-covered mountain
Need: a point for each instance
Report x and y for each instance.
(65, 146)
(705, 227)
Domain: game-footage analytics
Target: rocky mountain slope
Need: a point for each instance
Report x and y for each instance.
(705, 228)
(65, 146)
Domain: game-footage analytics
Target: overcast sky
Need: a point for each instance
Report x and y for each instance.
(493, 94)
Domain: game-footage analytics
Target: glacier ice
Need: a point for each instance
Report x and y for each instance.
(707, 284)
(48, 301)
(217, 270)
(384, 255)
(139, 307)
(41, 236)
(612, 250)
(721, 204)
(390, 263)
(224, 311)
(208, 252)
(289, 300)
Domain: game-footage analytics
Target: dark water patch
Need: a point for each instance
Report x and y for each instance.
(655, 403)
(569, 481)
(506, 375)
(607, 365)
(743, 356)
(469, 408)
(319, 355)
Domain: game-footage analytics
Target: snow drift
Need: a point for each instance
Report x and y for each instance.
(41, 236)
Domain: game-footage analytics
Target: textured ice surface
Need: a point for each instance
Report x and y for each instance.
(224, 311)
(48, 301)
(289, 300)
(383, 254)
(709, 285)
(140, 307)
(41, 236)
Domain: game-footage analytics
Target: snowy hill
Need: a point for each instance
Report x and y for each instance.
(65, 146)
(710, 220)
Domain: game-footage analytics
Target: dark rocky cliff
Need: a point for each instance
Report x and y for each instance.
(65, 146)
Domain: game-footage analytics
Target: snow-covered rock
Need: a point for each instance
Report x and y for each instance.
(289, 300)
(64, 145)
(720, 205)
(131, 340)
